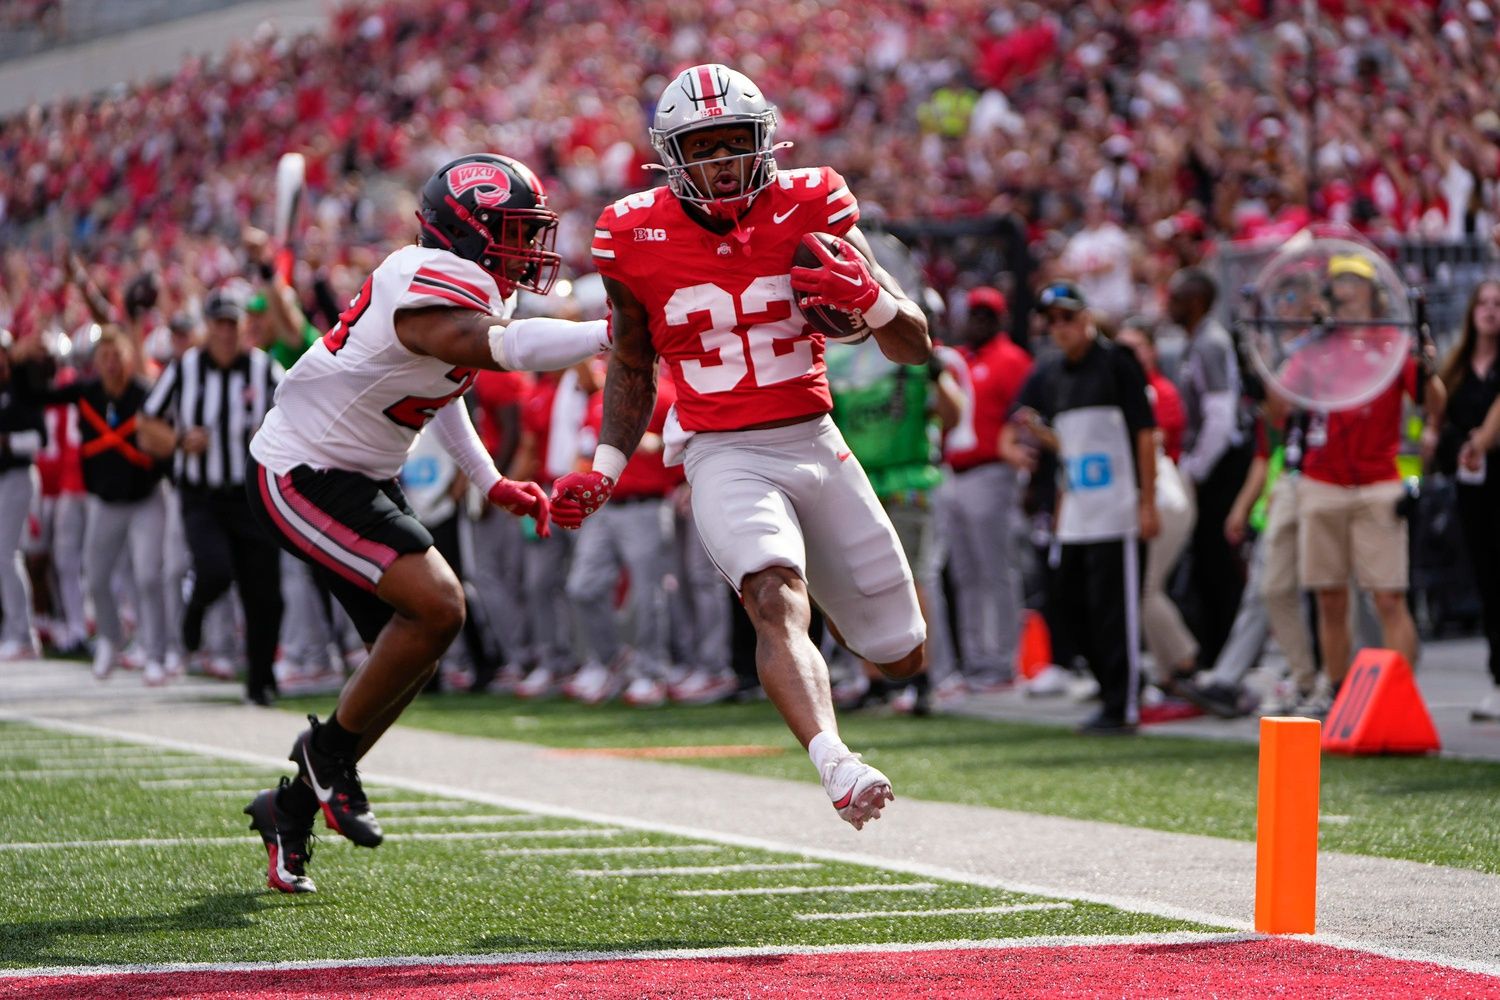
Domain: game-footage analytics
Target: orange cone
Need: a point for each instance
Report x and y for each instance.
(1379, 709)
(1036, 644)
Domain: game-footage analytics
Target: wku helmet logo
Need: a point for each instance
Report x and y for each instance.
(490, 184)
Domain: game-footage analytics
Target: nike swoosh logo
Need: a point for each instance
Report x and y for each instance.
(843, 456)
(845, 277)
(324, 794)
(843, 803)
(781, 217)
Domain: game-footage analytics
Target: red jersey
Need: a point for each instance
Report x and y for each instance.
(494, 391)
(644, 474)
(720, 308)
(998, 371)
(1360, 445)
(59, 463)
(1171, 418)
(536, 417)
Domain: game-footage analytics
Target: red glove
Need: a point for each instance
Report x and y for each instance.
(842, 282)
(522, 499)
(577, 495)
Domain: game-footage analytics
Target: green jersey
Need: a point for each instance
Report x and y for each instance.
(884, 411)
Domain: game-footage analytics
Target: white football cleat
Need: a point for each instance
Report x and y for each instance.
(857, 790)
(155, 674)
(594, 684)
(645, 692)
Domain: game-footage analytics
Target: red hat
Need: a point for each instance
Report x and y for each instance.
(989, 298)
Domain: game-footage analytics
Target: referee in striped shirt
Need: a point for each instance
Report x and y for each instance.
(203, 412)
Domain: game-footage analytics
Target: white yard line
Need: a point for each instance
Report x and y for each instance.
(808, 890)
(412, 806)
(401, 821)
(50, 845)
(778, 866)
(73, 774)
(955, 911)
(555, 852)
(220, 782)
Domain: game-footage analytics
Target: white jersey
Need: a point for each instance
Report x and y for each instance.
(358, 398)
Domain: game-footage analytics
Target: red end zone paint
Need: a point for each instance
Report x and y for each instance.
(1258, 968)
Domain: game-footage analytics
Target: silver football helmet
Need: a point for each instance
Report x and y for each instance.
(711, 96)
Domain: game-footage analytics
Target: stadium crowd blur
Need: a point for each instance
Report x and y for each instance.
(1111, 143)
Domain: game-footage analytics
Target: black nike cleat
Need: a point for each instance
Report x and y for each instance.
(286, 843)
(335, 781)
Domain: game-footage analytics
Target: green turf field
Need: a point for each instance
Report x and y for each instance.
(1428, 809)
(114, 853)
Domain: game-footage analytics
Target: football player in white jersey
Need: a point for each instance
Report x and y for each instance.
(325, 462)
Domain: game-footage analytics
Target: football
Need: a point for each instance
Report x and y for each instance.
(831, 322)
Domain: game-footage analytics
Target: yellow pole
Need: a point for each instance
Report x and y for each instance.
(1286, 834)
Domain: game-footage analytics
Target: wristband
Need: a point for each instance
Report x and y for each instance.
(609, 462)
(882, 310)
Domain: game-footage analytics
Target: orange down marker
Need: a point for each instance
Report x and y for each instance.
(1286, 834)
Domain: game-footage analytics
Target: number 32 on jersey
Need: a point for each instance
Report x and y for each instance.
(756, 333)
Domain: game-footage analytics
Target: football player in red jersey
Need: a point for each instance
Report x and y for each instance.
(699, 273)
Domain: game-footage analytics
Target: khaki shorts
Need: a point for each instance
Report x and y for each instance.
(1351, 531)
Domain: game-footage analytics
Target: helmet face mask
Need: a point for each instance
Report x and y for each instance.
(492, 210)
(713, 97)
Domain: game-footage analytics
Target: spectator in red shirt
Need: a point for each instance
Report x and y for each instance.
(1346, 502)
(983, 500)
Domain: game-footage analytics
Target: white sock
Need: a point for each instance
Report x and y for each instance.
(825, 748)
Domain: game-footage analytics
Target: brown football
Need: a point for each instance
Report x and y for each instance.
(831, 322)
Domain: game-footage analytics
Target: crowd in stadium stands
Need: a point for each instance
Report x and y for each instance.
(1127, 140)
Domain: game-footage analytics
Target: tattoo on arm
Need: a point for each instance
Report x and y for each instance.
(630, 387)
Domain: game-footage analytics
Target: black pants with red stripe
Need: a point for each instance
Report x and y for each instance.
(229, 546)
(348, 527)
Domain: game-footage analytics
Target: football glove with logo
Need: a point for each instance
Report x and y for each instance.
(844, 282)
(577, 495)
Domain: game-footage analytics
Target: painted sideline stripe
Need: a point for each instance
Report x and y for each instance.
(806, 890)
(510, 852)
(779, 866)
(919, 868)
(409, 805)
(868, 914)
(559, 957)
(46, 845)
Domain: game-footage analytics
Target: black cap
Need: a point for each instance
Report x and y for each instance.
(223, 304)
(1061, 295)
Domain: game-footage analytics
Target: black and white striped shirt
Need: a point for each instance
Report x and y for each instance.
(229, 402)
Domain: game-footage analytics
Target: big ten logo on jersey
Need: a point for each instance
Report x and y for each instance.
(755, 333)
(1089, 472)
(644, 235)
